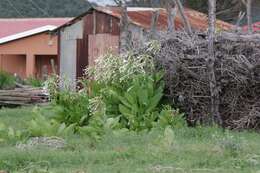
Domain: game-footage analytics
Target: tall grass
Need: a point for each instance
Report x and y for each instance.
(7, 81)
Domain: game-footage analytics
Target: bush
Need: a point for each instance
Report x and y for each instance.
(118, 93)
(40, 126)
(10, 134)
(119, 71)
(72, 108)
(34, 82)
(7, 81)
(132, 91)
(171, 117)
(138, 104)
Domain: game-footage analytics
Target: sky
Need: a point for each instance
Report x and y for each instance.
(102, 2)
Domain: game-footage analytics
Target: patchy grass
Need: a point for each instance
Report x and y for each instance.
(179, 150)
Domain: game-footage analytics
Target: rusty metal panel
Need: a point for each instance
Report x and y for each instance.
(82, 56)
(88, 24)
(100, 44)
(115, 26)
(103, 23)
(142, 18)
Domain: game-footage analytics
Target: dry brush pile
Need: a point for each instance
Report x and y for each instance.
(237, 72)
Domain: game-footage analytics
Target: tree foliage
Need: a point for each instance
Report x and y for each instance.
(42, 8)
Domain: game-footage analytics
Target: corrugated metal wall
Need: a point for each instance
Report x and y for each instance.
(68, 51)
(82, 56)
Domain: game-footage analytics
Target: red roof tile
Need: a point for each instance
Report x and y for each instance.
(13, 26)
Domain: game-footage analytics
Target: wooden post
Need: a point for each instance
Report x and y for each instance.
(214, 91)
(53, 67)
(154, 23)
(184, 17)
(125, 35)
(249, 16)
(94, 22)
(30, 65)
(171, 18)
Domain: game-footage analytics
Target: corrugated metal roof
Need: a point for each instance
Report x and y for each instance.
(27, 33)
(13, 26)
(143, 16)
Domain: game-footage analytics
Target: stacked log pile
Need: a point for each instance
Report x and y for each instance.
(23, 96)
(237, 67)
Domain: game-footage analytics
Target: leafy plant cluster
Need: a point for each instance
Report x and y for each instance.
(9, 133)
(7, 81)
(118, 93)
(34, 82)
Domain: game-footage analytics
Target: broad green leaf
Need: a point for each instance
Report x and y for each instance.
(159, 76)
(154, 102)
(122, 99)
(69, 130)
(130, 98)
(124, 110)
(143, 97)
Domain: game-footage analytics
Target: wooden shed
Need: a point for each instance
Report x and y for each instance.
(93, 33)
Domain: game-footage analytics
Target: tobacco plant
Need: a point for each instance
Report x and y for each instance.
(140, 102)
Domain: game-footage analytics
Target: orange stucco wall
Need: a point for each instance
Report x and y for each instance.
(14, 64)
(30, 47)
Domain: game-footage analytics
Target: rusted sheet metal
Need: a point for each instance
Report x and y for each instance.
(100, 44)
(82, 56)
(88, 24)
(104, 23)
(142, 17)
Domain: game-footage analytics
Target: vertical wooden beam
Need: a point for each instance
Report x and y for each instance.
(59, 53)
(214, 91)
(125, 35)
(154, 23)
(249, 16)
(171, 18)
(94, 22)
(30, 65)
(110, 24)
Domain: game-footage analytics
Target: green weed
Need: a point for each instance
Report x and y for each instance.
(34, 82)
(7, 81)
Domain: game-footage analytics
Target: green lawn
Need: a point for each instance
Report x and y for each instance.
(191, 150)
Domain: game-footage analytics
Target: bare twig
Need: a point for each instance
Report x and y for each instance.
(172, 12)
(186, 22)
